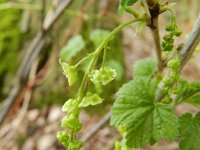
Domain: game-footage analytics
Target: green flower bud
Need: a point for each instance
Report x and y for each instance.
(167, 100)
(69, 105)
(168, 47)
(164, 43)
(165, 90)
(107, 75)
(167, 37)
(174, 64)
(174, 75)
(71, 122)
(168, 81)
(103, 76)
(63, 138)
(75, 145)
(176, 90)
(94, 76)
(90, 99)
(178, 32)
(70, 72)
(169, 27)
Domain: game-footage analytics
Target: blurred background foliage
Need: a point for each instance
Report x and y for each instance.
(77, 32)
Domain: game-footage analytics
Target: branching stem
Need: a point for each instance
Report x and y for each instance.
(99, 50)
(187, 50)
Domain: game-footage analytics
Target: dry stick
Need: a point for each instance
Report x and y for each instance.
(190, 44)
(43, 3)
(156, 38)
(32, 53)
(96, 128)
(153, 14)
(187, 50)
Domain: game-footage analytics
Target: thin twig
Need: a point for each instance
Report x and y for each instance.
(96, 128)
(43, 3)
(190, 44)
(154, 27)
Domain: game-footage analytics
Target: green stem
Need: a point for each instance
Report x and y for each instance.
(132, 11)
(104, 56)
(98, 51)
(84, 59)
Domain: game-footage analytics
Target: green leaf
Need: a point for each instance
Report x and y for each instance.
(189, 92)
(194, 100)
(98, 35)
(75, 45)
(90, 99)
(128, 2)
(144, 68)
(189, 132)
(146, 121)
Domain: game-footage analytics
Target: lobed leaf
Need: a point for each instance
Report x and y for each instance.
(144, 68)
(146, 121)
(75, 45)
(189, 93)
(189, 132)
(98, 35)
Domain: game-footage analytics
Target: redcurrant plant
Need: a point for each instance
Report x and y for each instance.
(144, 108)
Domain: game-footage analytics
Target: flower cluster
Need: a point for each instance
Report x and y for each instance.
(71, 122)
(70, 72)
(103, 76)
(168, 39)
(169, 80)
(72, 125)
